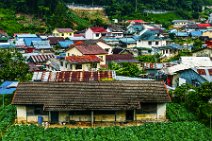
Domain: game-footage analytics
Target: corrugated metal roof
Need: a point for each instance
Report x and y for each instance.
(28, 41)
(41, 58)
(128, 40)
(196, 61)
(70, 76)
(26, 35)
(8, 87)
(66, 43)
(41, 44)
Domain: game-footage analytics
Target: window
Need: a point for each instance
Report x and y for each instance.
(70, 34)
(79, 66)
(156, 43)
(68, 54)
(97, 34)
(149, 43)
(101, 57)
(94, 65)
(201, 71)
(67, 65)
(62, 34)
(107, 50)
(61, 63)
(147, 108)
(36, 110)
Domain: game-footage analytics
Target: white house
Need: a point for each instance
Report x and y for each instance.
(95, 33)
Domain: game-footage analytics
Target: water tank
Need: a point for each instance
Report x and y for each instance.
(40, 120)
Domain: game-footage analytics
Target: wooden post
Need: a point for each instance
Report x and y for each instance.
(134, 115)
(115, 117)
(49, 118)
(92, 118)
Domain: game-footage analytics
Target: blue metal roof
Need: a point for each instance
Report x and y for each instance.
(111, 39)
(66, 43)
(28, 41)
(8, 87)
(128, 40)
(182, 34)
(6, 45)
(197, 33)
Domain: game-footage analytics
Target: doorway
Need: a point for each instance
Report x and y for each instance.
(129, 115)
(54, 117)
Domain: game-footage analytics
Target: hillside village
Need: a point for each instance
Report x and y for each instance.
(127, 72)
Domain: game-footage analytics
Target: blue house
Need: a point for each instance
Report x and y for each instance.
(65, 44)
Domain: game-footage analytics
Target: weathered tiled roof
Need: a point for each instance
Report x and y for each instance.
(120, 58)
(108, 95)
(98, 29)
(41, 44)
(55, 40)
(90, 49)
(83, 59)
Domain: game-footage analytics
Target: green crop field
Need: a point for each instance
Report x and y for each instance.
(177, 131)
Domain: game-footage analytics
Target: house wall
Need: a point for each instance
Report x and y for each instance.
(189, 75)
(64, 35)
(131, 45)
(143, 43)
(160, 114)
(105, 47)
(161, 111)
(103, 57)
(203, 53)
(72, 67)
(34, 118)
(21, 113)
(89, 34)
(64, 116)
(207, 33)
(73, 51)
(120, 117)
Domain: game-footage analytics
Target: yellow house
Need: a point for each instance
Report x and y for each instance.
(83, 50)
(63, 32)
(207, 34)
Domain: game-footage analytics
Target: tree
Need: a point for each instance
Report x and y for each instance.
(125, 69)
(12, 66)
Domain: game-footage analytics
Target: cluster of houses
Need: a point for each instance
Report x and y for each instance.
(71, 80)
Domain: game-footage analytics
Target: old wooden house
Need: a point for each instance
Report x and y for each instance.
(110, 101)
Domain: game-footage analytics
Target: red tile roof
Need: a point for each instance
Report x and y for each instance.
(90, 49)
(98, 29)
(136, 21)
(209, 44)
(204, 25)
(64, 30)
(83, 59)
(55, 40)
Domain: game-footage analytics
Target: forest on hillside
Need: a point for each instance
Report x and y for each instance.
(184, 8)
(53, 12)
